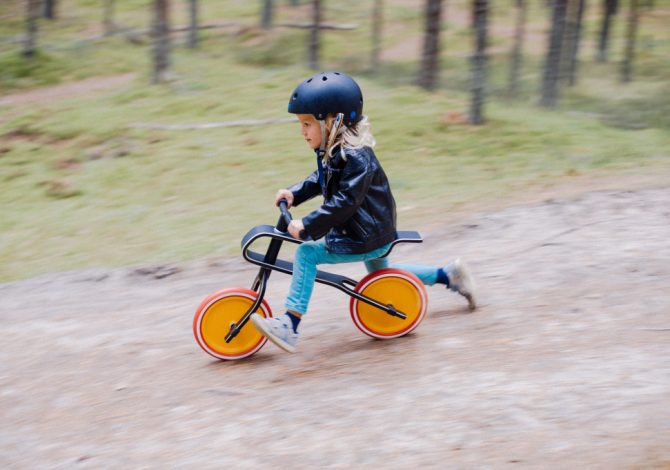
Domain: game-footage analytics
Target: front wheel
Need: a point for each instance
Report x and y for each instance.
(214, 317)
(396, 287)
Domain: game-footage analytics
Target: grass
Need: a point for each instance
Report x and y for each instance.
(81, 187)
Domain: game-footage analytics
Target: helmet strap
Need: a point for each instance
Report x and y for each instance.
(322, 148)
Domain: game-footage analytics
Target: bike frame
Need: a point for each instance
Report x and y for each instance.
(270, 261)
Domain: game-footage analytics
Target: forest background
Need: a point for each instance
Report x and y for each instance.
(122, 144)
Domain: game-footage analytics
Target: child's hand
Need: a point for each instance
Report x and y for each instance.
(295, 227)
(284, 194)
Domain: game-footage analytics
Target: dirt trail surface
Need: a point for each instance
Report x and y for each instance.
(565, 365)
(66, 90)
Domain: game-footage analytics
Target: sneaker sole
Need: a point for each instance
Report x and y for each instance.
(259, 324)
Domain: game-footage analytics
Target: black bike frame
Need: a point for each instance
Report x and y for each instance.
(269, 262)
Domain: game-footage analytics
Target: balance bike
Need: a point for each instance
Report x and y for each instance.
(387, 303)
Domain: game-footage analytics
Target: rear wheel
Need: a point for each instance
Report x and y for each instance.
(214, 316)
(396, 287)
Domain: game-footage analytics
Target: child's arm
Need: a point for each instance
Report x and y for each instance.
(354, 183)
(306, 189)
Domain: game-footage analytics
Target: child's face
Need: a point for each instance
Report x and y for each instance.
(310, 129)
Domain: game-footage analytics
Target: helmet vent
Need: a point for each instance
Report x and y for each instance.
(324, 78)
(309, 80)
(295, 96)
(337, 73)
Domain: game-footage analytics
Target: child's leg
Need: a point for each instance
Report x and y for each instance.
(454, 275)
(429, 275)
(307, 257)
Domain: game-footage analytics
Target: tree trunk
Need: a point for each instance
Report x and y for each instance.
(430, 60)
(631, 33)
(266, 14)
(161, 40)
(377, 23)
(572, 53)
(478, 64)
(552, 64)
(32, 15)
(610, 8)
(516, 56)
(193, 30)
(50, 9)
(314, 35)
(108, 17)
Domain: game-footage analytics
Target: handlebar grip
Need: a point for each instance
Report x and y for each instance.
(283, 207)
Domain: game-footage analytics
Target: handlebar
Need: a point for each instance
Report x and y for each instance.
(286, 215)
(283, 208)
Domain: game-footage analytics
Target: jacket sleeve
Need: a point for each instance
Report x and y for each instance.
(353, 187)
(306, 190)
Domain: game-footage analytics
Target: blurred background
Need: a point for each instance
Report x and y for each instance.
(140, 140)
(135, 131)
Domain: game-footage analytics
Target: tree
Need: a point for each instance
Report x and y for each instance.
(610, 8)
(193, 29)
(32, 15)
(478, 61)
(314, 35)
(549, 93)
(50, 9)
(266, 14)
(108, 17)
(377, 23)
(161, 40)
(430, 59)
(573, 36)
(516, 55)
(631, 33)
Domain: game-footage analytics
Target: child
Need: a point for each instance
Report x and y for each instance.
(357, 221)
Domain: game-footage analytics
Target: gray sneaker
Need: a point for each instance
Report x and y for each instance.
(461, 281)
(279, 330)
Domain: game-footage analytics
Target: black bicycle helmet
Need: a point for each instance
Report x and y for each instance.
(328, 93)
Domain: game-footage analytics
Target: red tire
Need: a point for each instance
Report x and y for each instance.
(399, 288)
(214, 316)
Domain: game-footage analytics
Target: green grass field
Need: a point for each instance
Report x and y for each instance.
(81, 187)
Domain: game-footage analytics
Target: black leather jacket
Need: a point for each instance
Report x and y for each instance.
(358, 214)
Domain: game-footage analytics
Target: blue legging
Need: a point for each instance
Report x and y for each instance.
(310, 254)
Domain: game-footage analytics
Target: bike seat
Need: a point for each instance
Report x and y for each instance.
(404, 236)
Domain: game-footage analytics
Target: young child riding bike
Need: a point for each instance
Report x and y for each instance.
(357, 220)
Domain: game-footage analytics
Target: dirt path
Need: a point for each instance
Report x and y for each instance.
(66, 90)
(564, 366)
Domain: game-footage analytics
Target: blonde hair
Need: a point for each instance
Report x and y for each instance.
(355, 137)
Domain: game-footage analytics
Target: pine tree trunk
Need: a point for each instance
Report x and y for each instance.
(161, 40)
(193, 28)
(575, 40)
(108, 17)
(314, 35)
(631, 33)
(266, 14)
(50, 9)
(478, 64)
(516, 55)
(377, 22)
(609, 9)
(550, 90)
(568, 39)
(430, 59)
(32, 15)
